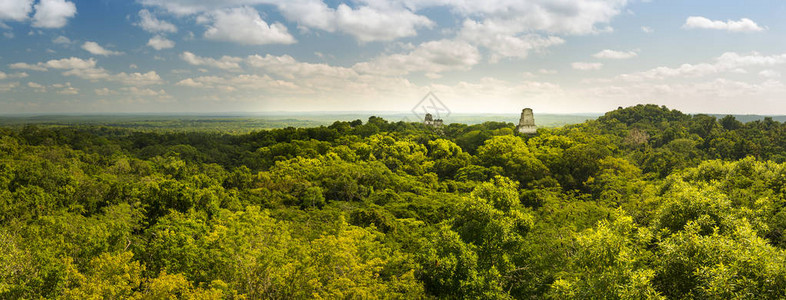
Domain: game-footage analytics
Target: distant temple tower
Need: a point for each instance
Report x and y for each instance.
(431, 122)
(527, 122)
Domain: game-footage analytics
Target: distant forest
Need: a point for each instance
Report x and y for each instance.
(643, 202)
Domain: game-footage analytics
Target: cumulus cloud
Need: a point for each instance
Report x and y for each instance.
(612, 54)
(103, 92)
(243, 25)
(564, 17)
(136, 78)
(646, 29)
(585, 66)
(26, 66)
(53, 13)
(8, 86)
(366, 21)
(61, 40)
(288, 67)
(770, 74)
(743, 25)
(388, 20)
(146, 92)
(69, 63)
(151, 24)
(92, 74)
(429, 57)
(243, 81)
(66, 89)
(190, 82)
(381, 21)
(189, 7)
(88, 70)
(368, 24)
(96, 49)
(15, 10)
(14, 75)
(504, 41)
(159, 42)
(37, 87)
(224, 63)
(727, 62)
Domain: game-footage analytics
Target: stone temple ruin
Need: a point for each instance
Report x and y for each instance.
(431, 122)
(527, 122)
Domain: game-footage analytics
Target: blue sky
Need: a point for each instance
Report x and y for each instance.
(557, 56)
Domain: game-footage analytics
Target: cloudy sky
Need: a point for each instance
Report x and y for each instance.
(559, 56)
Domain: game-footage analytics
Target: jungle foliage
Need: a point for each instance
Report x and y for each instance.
(642, 203)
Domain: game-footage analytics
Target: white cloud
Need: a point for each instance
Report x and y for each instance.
(504, 42)
(244, 26)
(374, 20)
(585, 66)
(8, 35)
(53, 13)
(243, 81)
(770, 74)
(159, 42)
(727, 62)
(92, 74)
(367, 21)
(66, 89)
(429, 57)
(286, 66)
(731, 60)
(190, 82)
(104, 92)
(224, 63)
(37, 87)
(87, 69)
(7, 86)
(69, 63)
(612, 54)
(189, 7)
(567, 17)
(151, 24)
(367, 24)
(14, 75)
(96, 49)
(15, 10)
(61, 40)
(146, 92)
(136, 78)
(646, 29)
(743, 25)
(25, 66)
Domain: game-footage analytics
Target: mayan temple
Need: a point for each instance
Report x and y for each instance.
(527, 122)
(431, 122)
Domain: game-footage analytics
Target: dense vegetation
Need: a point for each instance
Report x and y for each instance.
(643, 202)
